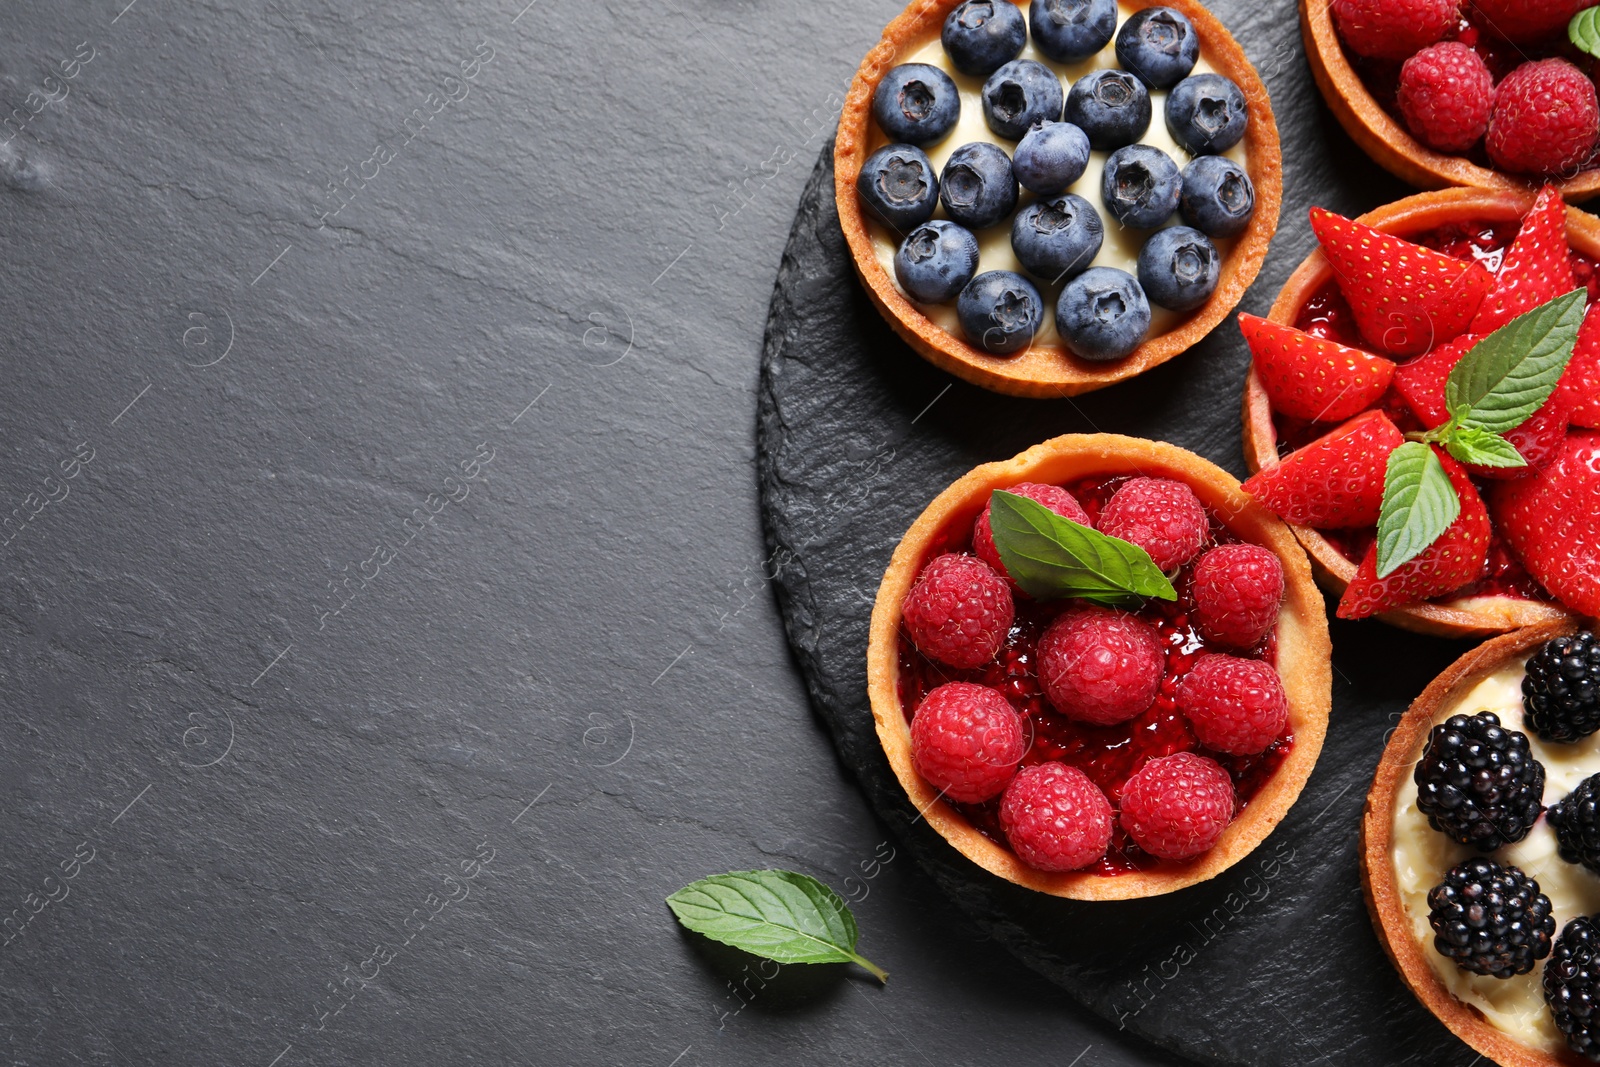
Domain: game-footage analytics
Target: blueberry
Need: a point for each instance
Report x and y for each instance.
(1179, 267)
(1206, 114)
(1103, 314)
(1111, 106)
(916, 103)
(1218, 196)
(1069, 31)
(1159, 45)
(897, 184)
(1057, 238)
(982, 35)
(1019, 94)
(1000, 311)
(1141, 186)
(978, 187)
(936, 262)
(1050, 157)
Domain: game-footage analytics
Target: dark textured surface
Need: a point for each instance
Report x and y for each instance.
(858, 434)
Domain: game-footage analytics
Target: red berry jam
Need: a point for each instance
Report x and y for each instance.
(1109, 755)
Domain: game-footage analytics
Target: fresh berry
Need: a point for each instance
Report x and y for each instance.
(1019, 94)
(1103, 314)
(1527, 20)
(1158, 44)
(1309, 378)
(1179, 268)
(1177, 806)
(1561, 689)
(981, 36)
(1050, 157)
(1235, 705)
(1576, 821)
(1111, 106)
(1336, 480)
(1206, 114)
(1069, 31)
(966, 741)
(1237, 592)
(1536, 269)
(1100, 666)
(1490, 919)
(1161, 516)
(1551, 520)
(1572, 986)
(1478, 783)
(936, 261)
(1546, 119)
(1452, 561)
(1000, 311)
(1141, 186)
(916, 103)
(1053, 497)
(959, 611)
(1580, 385)
(977, 186)
(1393, 29)
(1217, 196)
(1446, 94)
(1055, 818)
(1405, 298)
(897, 184)
(1058, 237)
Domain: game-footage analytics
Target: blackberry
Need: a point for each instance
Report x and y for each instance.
(1561, 689)
(1490, 919)
(1478, 781)
(1572, 986)
(1576, 821)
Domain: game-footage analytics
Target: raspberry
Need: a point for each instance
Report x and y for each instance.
(959, 611)
(1055, 818)
(1100, 666)
(1235, 705)
(966, 741)
(1177, 806)
(1237, 592)
(1161, 516)
(1393, 29)
(1546, 119)
(1446, 93)
(1527, 20)
(1053, 497)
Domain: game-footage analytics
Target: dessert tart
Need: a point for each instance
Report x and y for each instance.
(1087, 747)
(1503, 980)
(1496, 248)
(1041, 257)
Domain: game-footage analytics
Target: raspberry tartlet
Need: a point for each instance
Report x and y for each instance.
(1047, 197)
(1099, 745)
(1338, 382)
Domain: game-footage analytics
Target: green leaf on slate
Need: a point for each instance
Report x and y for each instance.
(1050, 557)
(1419, 504)
(1472, 445)
(1509, 375)
(1584, 30)
(778, 915)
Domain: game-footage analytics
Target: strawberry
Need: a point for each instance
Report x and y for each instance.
(1406, 298)
(1580, 385)
(1452, 561)
(1552, 522)
(1535, 270)
(1309, 378)
(1336, 480)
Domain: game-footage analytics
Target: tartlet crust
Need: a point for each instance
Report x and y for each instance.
(1052, 371)
(1464, 617)
(1388, 912)
(1304, 654)
(1385, 138)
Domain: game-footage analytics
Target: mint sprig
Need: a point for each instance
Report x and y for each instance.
(1419, 504)
(1050, 556)
(1584, 30)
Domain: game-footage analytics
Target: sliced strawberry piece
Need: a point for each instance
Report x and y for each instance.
(1406, 298)
(1551, 520)
(1580, 385)
(1309, 378)
(1452, 561)
(1535, 269)
(1336, 480)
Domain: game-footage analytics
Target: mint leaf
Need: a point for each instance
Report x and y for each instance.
(1470, 444)
(1584, 30)
(1419, 504)
(1509, 375)
(778, 915)
(1051, 557)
